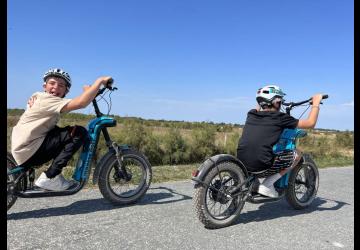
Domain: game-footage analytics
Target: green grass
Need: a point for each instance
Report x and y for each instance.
(160, 173)
(168, 173)
(173, 173)
(339, 161)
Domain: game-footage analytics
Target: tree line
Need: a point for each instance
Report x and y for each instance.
(179, 142)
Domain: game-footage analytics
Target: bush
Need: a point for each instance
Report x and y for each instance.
(203, 144)
(152, 149)
(232, 143)
(172, 143)
(133, 134)
(345, 139)
(175, 147)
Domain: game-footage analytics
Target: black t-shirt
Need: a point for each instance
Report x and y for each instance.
(261, 132)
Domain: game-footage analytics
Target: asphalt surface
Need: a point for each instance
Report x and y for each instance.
(165, 219)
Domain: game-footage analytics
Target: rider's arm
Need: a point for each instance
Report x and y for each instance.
(87, 96)
(313, 115)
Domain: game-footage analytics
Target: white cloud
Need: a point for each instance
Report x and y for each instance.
(351, 104)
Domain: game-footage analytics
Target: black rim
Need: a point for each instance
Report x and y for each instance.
(305, 184)
(10, 183)
(218, 204)
(127, 188)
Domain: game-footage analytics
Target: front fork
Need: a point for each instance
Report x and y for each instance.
(120, 170)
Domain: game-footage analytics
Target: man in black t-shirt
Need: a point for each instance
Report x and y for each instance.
(262, 130)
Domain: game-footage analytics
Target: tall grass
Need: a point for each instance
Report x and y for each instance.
(178, 143)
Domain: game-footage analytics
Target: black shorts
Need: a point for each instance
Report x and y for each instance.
(281, 161)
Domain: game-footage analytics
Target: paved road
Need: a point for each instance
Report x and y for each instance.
(165, 219)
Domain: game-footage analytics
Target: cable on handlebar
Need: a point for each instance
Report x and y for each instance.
(101, 92)
(291, 105)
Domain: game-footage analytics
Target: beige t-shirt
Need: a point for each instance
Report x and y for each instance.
(37, 120)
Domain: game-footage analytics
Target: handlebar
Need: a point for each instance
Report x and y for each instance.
(290, 105)
(294, 104)
(108, 86)
(100, 91)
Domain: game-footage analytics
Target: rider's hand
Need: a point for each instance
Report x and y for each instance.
(104, 80)
(316, 99)
(31, 101)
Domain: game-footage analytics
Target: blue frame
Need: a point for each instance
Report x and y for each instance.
(287, 141)
(94, 128)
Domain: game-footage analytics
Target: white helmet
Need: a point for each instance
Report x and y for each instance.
(59, 73)
(269, 95)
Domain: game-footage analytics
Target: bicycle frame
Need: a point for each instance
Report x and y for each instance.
(96, 125)
(287, 141)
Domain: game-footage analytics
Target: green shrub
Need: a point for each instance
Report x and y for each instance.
(232, 143)
(175, 147)
(345, 139)
(152, 149)
(203, 144)
(172, 143)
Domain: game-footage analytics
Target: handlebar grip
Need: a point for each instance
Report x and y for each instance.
(109, 82)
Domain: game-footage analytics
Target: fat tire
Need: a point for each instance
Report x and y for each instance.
(200, 193)
(105, 188)
(290, 193)
(11, 164)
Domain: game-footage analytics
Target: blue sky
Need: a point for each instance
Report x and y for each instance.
(191, 60)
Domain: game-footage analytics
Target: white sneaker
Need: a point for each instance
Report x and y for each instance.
(58, 183)
(268, 191)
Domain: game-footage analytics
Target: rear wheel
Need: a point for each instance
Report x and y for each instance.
(11, 198)
(303, 185)
(120, 189)
(213, 207)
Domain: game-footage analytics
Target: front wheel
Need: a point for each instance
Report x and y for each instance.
(120, 189)
(303, 185)
(214, 208)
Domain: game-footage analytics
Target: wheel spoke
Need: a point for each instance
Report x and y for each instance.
(305, 184)
(218, 204)
(124, 188)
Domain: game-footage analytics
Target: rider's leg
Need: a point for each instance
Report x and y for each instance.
(267, 186)
(72, 140)
(60, 144)
(48, 150)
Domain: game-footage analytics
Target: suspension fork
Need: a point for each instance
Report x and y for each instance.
(122, 170)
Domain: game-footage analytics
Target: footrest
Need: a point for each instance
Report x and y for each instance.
(258, 198)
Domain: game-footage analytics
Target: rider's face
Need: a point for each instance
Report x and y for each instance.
(55, 86)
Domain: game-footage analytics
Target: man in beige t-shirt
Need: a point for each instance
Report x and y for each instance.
(36, 139)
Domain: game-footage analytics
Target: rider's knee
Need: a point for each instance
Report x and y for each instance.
(80, 132)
